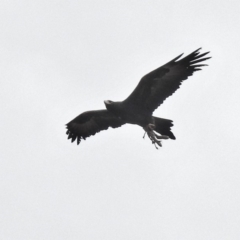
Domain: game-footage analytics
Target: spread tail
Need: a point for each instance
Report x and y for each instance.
(163, 126)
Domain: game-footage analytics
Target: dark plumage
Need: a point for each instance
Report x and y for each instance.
(150, 92)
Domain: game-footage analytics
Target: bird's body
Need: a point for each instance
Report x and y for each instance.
(151, 91)
(129, 113)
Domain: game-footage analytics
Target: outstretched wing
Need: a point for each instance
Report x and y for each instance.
(161, 83)
(91, 122)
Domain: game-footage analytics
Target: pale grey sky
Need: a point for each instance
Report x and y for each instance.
(60, 58)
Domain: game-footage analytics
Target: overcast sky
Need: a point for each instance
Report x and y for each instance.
(60, 58)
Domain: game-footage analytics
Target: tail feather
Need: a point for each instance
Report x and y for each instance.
(163, 126)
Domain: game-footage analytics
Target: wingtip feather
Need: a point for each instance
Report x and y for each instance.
(197, 50)
(176, 58)
(199, 60)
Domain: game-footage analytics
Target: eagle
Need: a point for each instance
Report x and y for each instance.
(138, 107)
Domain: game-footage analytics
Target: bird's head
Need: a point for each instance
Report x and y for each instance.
(108, 102)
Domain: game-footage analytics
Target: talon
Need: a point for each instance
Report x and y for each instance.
(144, 134)
(154, 137)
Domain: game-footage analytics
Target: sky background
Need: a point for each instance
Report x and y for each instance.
(60, 58)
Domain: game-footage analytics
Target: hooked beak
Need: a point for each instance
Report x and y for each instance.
(107, 102)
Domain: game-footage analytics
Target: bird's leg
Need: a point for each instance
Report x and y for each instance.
(144, 134)
(149, 129)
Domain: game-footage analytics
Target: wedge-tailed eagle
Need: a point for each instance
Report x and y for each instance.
(138, 108)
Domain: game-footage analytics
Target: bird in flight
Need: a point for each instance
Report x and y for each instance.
(139, 106)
